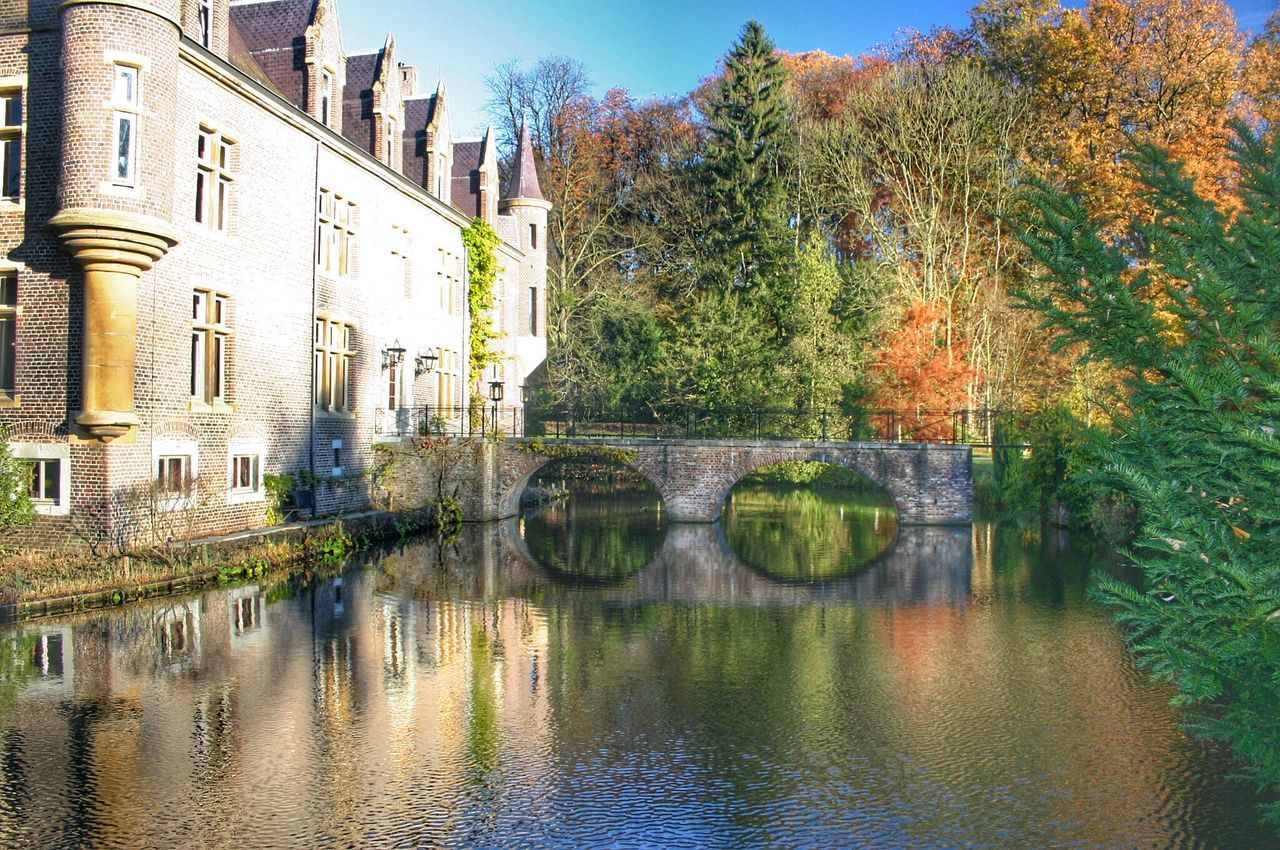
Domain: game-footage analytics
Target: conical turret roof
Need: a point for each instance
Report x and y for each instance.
(524, 176)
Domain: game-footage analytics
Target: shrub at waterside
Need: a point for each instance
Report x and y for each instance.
(1187, 311)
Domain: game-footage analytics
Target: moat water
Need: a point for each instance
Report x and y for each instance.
(804, 674)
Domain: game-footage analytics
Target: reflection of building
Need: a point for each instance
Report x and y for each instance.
(229, 248)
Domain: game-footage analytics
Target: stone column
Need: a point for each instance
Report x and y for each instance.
(114, 249)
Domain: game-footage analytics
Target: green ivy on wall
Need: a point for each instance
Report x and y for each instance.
(481, 241)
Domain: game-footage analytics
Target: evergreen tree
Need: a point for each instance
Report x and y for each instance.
(717, 358)
(746, 239)
(1189, 313)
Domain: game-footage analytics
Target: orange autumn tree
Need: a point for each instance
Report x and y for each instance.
(917, 374)
(821, 84)
(1262, 72)
(1116, 73)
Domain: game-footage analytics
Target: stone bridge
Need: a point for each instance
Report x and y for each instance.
(931, 484)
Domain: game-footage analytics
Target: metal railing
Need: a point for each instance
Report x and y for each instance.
(463, 421)
(976, 427)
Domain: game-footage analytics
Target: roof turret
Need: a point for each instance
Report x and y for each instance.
(524, 175)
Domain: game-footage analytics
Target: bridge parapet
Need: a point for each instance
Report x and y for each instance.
(929, 483)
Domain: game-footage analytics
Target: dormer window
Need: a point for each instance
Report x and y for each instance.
(326, 96)
(204, 21)
(391, 141)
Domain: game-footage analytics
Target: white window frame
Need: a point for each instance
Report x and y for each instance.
(334, 345)
(246, 448)
(208, 334)
(9, 314)
(336, 234)
(126, 107)
(60, 452)
(215, 179)
(168, 447)
(12, 137)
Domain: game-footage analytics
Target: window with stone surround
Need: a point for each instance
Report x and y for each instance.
(450, 279)
(325, 99)
(334, 348)
(174, 465)
(392, 141)
(126, 101)
(8, 332)
(213, 178)
(210, 332)
(442, 178)
(49, 484)
(401, 269)
(448, 381)
(336, 236)
(245, 473)
(11, 143)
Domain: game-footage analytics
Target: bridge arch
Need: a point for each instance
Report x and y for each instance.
(750, 463)
(515, 484)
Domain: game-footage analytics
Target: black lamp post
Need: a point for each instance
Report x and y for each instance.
(424, 363)
(495, 394)
(392, 356)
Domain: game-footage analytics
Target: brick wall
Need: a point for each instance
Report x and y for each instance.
(264, 262)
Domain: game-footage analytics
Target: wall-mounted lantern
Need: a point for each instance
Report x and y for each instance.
(425, 362)
(392, 356)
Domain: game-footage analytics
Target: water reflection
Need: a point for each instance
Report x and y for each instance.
(957, 692)
(797, 534)
(597, 540)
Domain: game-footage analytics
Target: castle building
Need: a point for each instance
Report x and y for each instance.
(227, 249)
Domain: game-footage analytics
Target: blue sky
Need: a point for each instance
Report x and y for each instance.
(658, 47)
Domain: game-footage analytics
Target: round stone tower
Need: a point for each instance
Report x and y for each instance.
(524, 201)
(115, 192)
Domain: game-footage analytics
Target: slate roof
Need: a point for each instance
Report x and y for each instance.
(466, 177)
(417, 112)
(271, 35)
(524, 174)
(357, 99)
(238, 54)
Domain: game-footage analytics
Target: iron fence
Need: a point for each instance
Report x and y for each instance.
(976, 427)
(463, 421)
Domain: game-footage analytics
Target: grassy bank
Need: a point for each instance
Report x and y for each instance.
(40, 583)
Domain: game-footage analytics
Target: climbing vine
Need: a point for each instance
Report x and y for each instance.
(481, 241)
(559, 451)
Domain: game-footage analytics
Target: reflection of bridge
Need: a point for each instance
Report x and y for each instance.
(928, 564)
(930, 483)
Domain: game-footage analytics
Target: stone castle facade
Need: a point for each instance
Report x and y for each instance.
(228, 249)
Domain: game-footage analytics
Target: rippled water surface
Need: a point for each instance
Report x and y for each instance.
(592, 677)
